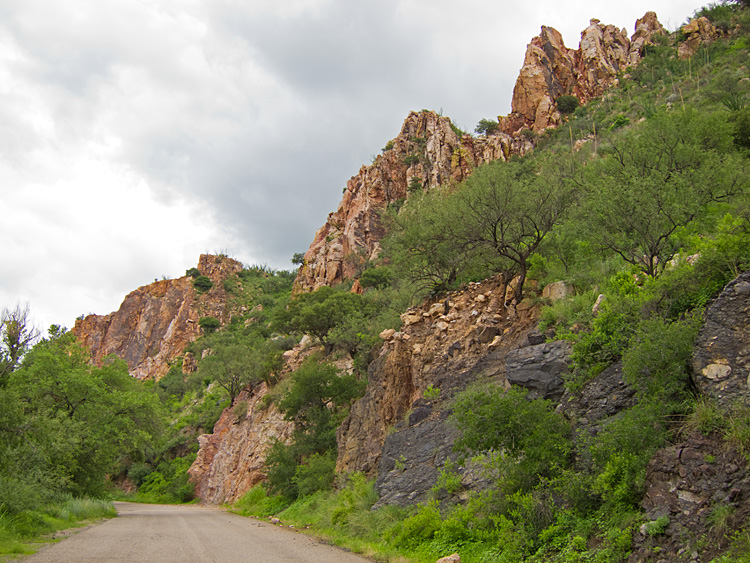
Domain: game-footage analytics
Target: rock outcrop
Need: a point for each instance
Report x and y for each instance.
(721, 360)
(443, 346)
(551, 70)
(697, 32)
(689, 485)
(428, 152)
(155, 322)
(540, 369)
(231, 460)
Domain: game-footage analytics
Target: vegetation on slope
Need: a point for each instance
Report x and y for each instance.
(614, 202)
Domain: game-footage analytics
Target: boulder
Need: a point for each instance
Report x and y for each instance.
(557, 290)
(540, 368)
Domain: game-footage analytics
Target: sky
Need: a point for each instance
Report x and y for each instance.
(136, 135)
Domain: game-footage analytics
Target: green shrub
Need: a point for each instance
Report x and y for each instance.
(316, 474)
(416, 529)
(487, 126)
(567, 104)
(193, 272)
(202, 284)
(209, 324)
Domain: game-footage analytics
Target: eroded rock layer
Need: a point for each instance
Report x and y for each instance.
(444, 344)
(155, 322)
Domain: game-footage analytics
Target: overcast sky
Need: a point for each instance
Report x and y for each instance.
(137, 134)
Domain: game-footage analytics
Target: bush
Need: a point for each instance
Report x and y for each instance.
(193, 272)
(567, 104)
(209, 324)
(202, 284)
(487, 126)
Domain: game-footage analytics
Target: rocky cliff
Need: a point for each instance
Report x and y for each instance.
(427, 152)
(155, 322)
(231, 460)
(430, 152)
(551, 70)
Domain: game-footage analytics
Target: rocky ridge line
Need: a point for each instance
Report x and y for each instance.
(429, 152)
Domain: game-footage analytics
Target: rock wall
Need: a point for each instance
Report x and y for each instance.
(155, 322)
(231, 460)
(688, 483)
(551, 70)
(445, 344)
(426, 153)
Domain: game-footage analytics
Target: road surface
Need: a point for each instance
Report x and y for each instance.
(145, 533)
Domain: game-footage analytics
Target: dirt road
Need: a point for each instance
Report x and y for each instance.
(161, 533)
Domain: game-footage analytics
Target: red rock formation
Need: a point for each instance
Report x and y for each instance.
(232, 459)
(425, 154)
(428, 152)
(155, 322)
(551, 70)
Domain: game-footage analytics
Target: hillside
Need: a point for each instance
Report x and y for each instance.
(528, 344)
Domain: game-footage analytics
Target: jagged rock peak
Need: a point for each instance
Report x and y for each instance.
(551, 70)
(155, 322)
(427, 152)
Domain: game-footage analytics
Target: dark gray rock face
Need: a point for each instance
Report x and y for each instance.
(600, 399)
(688, 483)
(721, 360)
(411, 461)
(540, 368)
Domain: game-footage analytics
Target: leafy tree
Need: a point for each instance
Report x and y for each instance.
(298, 258)
(235, 364)
(17, 335)
(508, 209)
(69, 422)
(654, 180)
(319, 312)
(317, 401)
(423, 246)
(487, 126)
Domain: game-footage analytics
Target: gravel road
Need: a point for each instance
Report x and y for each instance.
(165, 533)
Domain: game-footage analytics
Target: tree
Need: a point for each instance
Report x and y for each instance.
(235, 364)
(66, 423)
(317, 401)
(507, 209)
(423, 246)
(17, 335)
(318, 312)
(656, 179)
(487, 126)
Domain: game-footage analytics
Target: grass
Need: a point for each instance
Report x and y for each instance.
(25, 532)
